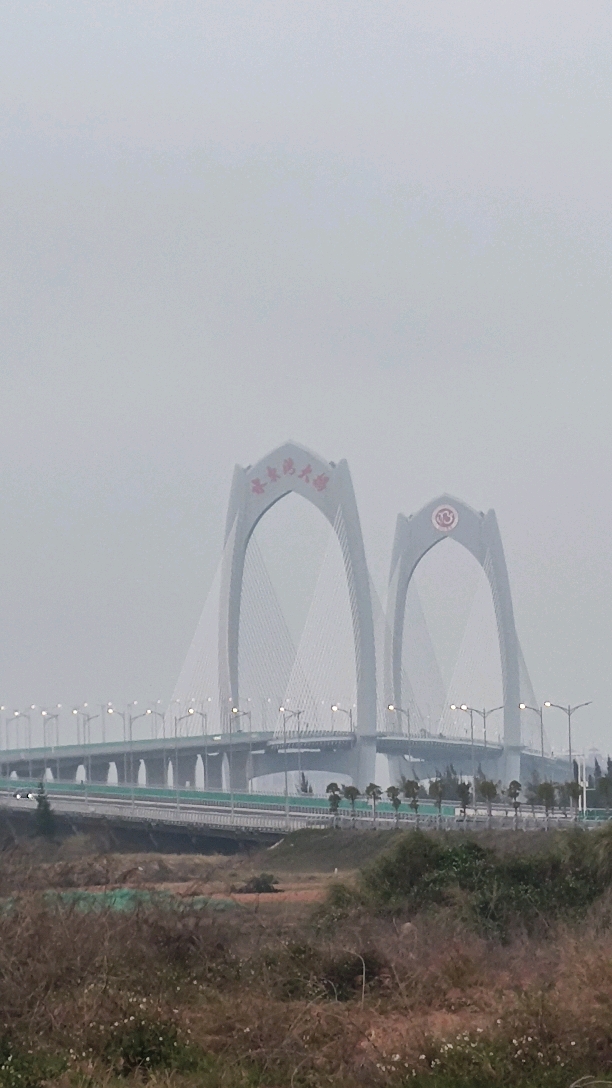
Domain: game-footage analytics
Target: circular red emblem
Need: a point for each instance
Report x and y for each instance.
(445, 519)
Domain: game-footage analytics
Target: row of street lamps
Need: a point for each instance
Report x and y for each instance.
(484, 714)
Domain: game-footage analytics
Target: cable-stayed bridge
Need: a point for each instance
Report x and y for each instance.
(360, 683)
(361, 669)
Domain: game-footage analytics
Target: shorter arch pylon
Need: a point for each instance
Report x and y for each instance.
(479, 533)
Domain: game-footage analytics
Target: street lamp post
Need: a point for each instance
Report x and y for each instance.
(287, 716)
(46, 719)
(134, 718)
(399, 711)
(569, 710)
(236, 714)
(339, 710)
(469, 710)
(25, 714)
(87, 718)
(121, 713)
(204, 717)
(176, 760)
(539, 710)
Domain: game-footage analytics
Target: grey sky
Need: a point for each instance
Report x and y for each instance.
(382, 230)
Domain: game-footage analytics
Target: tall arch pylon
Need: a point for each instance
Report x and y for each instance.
(479, 533)
(328, 486)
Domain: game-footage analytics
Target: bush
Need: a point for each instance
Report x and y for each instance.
(262, 884)
(498, 892)
(20, 1069)
(44, 818)
(138, 1042)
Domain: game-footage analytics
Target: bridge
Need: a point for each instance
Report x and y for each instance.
(231, 761)
(136, 818)
(248, 703)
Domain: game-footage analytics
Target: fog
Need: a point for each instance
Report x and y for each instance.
(382, 231)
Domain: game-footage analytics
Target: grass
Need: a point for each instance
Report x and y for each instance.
(323, 851)
(351, 993)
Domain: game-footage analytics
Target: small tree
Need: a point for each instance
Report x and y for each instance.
(488, 791)
(45, 820)
(464, 791)
(604, 789)
(333, 796)
(304, 785)
(563, 796)
(373, 794)
(546, 797)
(514, 792)
(410, 789)
(574, 790)
(393, 793)
(351, 793)
(531, 791)
(436, 792)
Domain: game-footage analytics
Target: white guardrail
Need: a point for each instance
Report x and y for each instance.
(275, 821)
(239, 820)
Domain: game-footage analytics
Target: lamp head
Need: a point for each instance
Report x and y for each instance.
(454, 706)
(334, 708)
(390, 707)
(191, 710)
(235, 710)
(547, 704)
(522, 706)
(463, 706)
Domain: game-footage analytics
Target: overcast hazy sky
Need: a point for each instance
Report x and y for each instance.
(381, 229)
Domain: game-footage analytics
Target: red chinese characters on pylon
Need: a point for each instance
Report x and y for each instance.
(274, 475)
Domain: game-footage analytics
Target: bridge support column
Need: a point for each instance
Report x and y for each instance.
(509, 766)
(97, 770)
(185, 770)
(157, 770)
(68, 769)
(398, 768)
(36, 769)
(213, 771)
(238, 768)
(122, 763)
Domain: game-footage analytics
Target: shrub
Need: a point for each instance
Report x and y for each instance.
(497, 892)
(22, 1069)
(138, 1042)
(262, 884)
(44, 818)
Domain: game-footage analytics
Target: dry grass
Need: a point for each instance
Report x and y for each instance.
(251, 998)
(276, 1002)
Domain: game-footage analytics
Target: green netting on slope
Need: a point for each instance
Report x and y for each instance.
(126, 899)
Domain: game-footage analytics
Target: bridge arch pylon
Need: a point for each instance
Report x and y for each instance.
(328, 486)
(440, 519)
